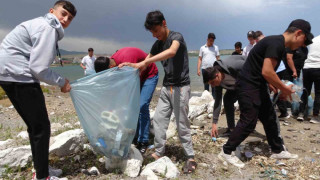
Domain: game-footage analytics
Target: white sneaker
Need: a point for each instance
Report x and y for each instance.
(315, 120)
(300, 117)
(284, 155)
(232, 159)
(48, 178)
(54, 171)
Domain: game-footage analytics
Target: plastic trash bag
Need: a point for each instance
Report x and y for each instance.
(107, 104)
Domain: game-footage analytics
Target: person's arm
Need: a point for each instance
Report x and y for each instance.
(42, 54)
(291, 65)
(82, 65)
(216, 110)
(271, 76)
(199, 65)
(217, 53)
(166, 54)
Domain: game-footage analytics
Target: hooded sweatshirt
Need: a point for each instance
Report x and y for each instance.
(27, 52)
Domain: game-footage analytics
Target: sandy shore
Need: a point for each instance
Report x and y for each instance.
(302, 138)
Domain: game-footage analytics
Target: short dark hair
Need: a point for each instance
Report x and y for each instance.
(210, 73)
(291, 29)
(153, 18)
(67, 5)
(251, 34)
(211, 35)
(90, 49)
(238, 44)
(101, 63)
(257, 34)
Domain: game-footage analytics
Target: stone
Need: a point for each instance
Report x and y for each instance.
(149, 174)
(67, 125)
(130, 166)
(210, 116)
(257, 149)
(68, 142)
(94, 171)
(15, 157)
(195, 111)
(6, 144)
(163, 166)
(172, 129)
(23, 135)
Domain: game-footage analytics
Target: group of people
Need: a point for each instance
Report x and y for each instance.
(25, 62)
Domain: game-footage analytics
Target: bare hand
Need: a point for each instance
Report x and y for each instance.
(285, 93)
(199, 73)
(294, 75)
(141, 65)
(214, 130)
(273, 89)
(66, 88)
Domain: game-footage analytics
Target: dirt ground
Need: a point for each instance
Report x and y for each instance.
(302, 138)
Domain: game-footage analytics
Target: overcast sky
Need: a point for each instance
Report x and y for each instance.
(107, 25)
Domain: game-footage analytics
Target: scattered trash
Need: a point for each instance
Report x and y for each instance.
(10, 107)
(284, 172)
(214, 139)
(151, 146)
(306, 128)
(279, 163)
(248, 155)
(52, 113)
(194, 127)
(257, 149)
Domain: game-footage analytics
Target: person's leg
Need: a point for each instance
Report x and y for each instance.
(268, 117)
(29, 101)
(147, 90)
(161, 120)
(249, 103)
(228, 100)
(316, 80)
(180, 101)
(206, 86)
(307, 85)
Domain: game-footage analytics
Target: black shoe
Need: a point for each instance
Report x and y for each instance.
(142, 147)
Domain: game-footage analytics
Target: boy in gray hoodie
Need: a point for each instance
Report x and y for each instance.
(25, 56)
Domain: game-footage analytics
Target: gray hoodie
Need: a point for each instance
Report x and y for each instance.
(27, 52)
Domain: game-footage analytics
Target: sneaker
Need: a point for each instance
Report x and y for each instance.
(300, 117)
(232, 159)
(48, 178)
(284, 155)
(142, 147)
(315, 120)
(283, 117)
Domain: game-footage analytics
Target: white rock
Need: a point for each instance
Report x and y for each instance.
(149, 174)
(151, 113)
(102, 160)
(55, 127)
(195, 111)
(205, 98)
(67, 125)
(23, 135)
(94, 171)
(77, 123)
(5, 144)
(52, 113)
(163, 166)
(130, 167)
(77, 158)
(210, 116)
(210, 107)
(257, 149)
(68, 142)
(15, 157)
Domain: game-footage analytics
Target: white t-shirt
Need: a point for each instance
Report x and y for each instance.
(208, 55)
(281, 67)
(247, 49)
(313, 60)
(89, 63)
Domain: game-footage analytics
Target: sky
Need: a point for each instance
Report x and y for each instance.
(108, 25)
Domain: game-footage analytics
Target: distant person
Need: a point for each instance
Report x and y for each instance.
(311, 75)
(148, 83)
(252, 42)
(171, 50)
(253, 94)
(223, 75)
(237, 48)
(25, 57)
(87, 63)
(295, 60)
(258, 36)
(208, 54)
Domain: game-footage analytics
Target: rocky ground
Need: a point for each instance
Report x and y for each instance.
(302, 138)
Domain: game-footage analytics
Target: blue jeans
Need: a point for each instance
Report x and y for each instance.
(147, 89)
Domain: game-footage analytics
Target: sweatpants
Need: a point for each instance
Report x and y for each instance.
(254, 104)
(28, 100)
(176, 99)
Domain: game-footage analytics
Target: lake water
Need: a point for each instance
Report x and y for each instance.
(75, 72)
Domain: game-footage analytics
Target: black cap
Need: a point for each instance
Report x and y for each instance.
(251, 34)
(305, 27)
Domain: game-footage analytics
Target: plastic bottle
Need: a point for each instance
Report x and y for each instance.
(298, 91)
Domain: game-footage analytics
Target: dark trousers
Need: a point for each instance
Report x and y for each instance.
(28, 100)
(229, 98)
(254, 104)
(311, 76)
(207, 86)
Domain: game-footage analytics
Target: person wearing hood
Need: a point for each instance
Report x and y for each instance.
(223, 75)
(26, 54)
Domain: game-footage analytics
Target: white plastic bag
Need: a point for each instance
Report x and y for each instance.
(107, 104)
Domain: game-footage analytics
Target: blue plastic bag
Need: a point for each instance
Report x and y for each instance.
(107, 104)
